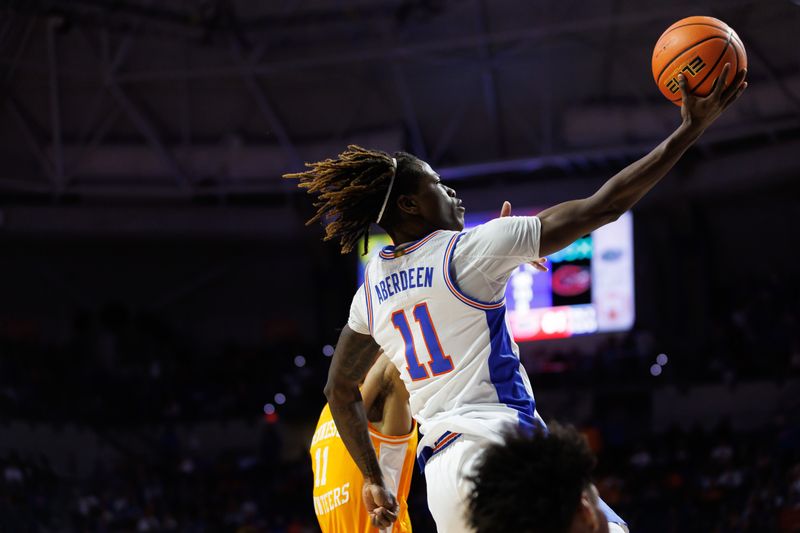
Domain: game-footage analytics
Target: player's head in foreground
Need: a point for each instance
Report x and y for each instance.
(537, 483)
(400, 192)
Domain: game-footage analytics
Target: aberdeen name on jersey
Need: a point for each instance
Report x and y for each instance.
(402, 281)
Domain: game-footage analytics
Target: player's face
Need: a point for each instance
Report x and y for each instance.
(438, 204)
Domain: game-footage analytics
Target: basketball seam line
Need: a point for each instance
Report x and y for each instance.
(658, 79)
(726, 29)
(696, 24)
(721, 55)
(714, 66)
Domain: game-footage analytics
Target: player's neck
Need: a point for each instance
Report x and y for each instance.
(403, 236)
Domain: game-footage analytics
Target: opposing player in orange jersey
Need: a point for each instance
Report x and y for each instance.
(338, 501)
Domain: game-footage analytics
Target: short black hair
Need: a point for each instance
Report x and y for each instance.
(531, 483)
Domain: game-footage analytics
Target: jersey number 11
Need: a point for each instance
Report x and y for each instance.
(439, 363)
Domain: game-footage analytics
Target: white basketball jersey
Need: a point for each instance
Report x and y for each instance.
(455, 354)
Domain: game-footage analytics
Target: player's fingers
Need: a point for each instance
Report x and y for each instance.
(505, 211)
(382, 517)
(736, 95)
(719, 84)
(735, 85)
(739, 78)
(386, 500)
(378, 510)
(382, 523)
(684, 89)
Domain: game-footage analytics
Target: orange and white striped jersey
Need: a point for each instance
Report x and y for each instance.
(338, 502)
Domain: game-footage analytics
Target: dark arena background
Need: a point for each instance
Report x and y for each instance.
(166, 320)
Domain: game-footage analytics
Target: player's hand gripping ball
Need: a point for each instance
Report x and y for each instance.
(698, 48)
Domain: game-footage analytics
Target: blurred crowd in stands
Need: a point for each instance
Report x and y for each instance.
(681, 481)
(118, 367)
(188, 492)
(716, 481)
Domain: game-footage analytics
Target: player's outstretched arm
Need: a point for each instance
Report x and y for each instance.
(354, 355)
(564, 223)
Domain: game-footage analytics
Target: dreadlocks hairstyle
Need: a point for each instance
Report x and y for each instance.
(351, 191)
(532, 482)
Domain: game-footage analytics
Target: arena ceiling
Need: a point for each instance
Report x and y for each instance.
(185, 98)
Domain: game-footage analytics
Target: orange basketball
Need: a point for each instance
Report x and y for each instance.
(698, 47)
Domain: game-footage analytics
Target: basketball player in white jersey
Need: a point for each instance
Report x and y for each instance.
(434, 302)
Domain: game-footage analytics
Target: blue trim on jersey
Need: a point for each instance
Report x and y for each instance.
(423, 457)
(611, 516)
(389, 252)
(427, 452)
(452, 285)
(504, 371)
(507, 380)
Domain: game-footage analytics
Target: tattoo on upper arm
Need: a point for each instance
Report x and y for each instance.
(354, 356)
(358, 359)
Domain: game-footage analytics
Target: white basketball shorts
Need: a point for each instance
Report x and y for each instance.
(446, 475)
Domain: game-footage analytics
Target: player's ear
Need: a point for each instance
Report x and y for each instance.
(408, 204)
